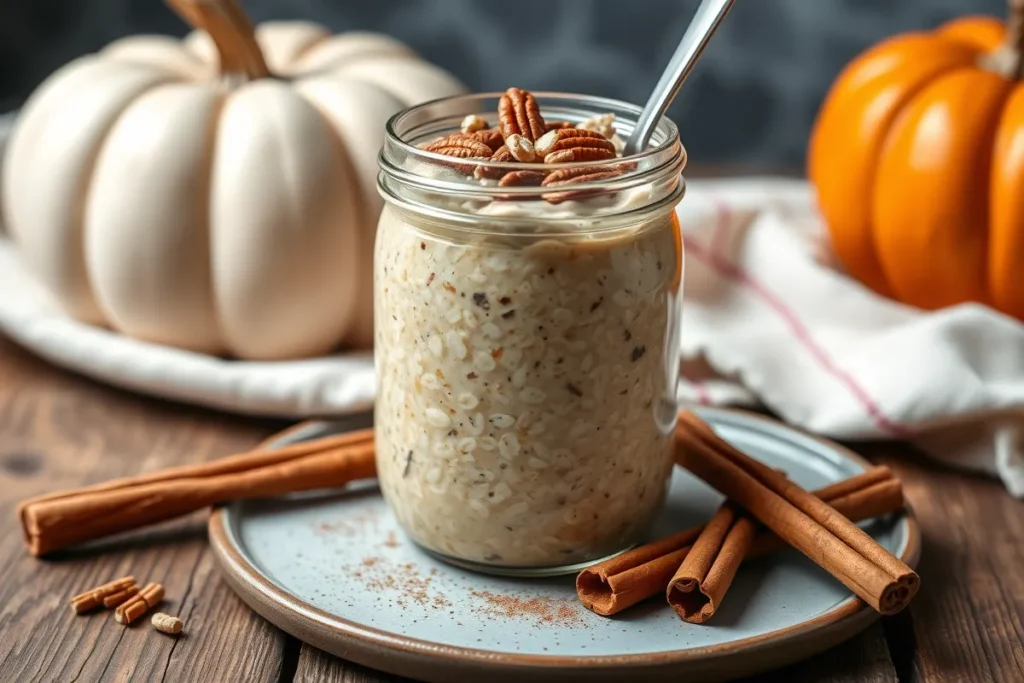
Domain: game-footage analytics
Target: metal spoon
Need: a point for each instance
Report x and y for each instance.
(705, 22)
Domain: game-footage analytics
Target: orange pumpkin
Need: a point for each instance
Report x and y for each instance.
(917, 156)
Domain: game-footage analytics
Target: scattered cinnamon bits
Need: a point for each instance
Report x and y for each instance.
(404, 583)
(391, 541)
(418, 589)
(129, 603)
(561, 612)
(94, 597)
(354, 525)
(139, 604)
(115, 599)
(407, 585)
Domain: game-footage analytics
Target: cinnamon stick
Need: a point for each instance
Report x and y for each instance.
(874, 499)
(93, 598)
(623, 581)
(699, 586)
(611, 586)
(115, 599)
(700, 583)
(139, 604)
(63, 519)
(813, 527)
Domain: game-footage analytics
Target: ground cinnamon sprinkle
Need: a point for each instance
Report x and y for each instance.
(563, 612)
(357, 525)
(407, 585)
(404, 583)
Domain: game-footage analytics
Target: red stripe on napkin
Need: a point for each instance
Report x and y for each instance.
(715, 260)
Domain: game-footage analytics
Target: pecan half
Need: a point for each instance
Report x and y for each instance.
(519, 113)
(491, 137)
(502, 154)
(556, 125)
(522, 179)
(547, 142)
(579, 174)
(566, 156)
(520, 148)
(461, 146)
(571, 144)
(575, 176)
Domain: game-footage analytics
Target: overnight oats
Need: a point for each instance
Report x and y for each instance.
(527, 321)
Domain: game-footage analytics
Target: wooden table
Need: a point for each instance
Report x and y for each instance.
(58, 430)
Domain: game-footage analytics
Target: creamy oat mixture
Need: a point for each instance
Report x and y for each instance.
(527, 388)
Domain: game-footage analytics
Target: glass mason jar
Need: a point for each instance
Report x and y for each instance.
(527, 345)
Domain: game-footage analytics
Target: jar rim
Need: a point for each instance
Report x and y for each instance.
(403, 163)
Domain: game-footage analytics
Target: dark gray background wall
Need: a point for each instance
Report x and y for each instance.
(751, 101)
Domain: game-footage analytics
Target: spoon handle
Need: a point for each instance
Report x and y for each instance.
(704, 23)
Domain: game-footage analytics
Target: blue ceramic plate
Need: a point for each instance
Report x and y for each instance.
(336, 571)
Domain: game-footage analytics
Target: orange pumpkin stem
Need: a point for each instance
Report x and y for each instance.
(232, 33)
(1008, 60)
(1015, 35)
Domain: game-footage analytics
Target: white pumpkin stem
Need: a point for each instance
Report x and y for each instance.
(231, 31)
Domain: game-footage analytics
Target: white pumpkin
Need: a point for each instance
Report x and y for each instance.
(214, 194)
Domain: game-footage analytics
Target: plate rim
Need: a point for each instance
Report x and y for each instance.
(250, 583)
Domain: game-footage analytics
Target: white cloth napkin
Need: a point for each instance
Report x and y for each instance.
(764, 307)
(766, 320)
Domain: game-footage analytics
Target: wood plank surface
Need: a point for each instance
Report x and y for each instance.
(316, 666)
(58, 430)
(967, 622)
(863, 659)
